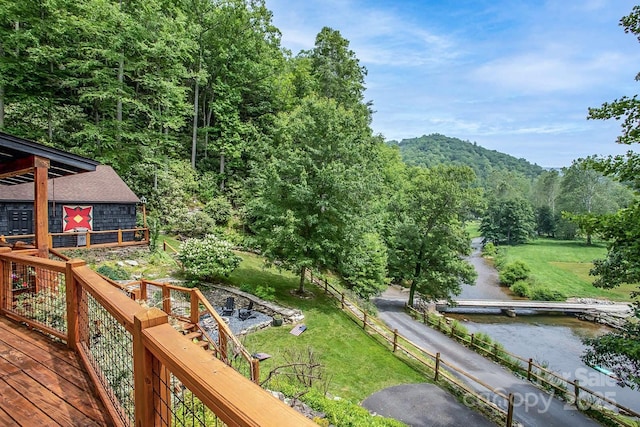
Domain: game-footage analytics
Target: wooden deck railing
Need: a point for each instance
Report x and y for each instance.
(146, 372)
(88, 239)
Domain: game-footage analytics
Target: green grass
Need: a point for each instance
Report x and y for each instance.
(564, 266)
(357, 365)
(473, 228)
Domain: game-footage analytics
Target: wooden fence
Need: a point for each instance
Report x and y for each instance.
(443, 372)
(548, 380)
(145, 371)
(86, 239)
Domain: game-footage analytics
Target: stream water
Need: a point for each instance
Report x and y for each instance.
(555, 340)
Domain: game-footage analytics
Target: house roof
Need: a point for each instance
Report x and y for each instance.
(13, 148)
(101, 186)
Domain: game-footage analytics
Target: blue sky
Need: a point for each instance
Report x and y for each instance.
(513, 76)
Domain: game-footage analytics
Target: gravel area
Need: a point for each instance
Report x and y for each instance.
(239, 327)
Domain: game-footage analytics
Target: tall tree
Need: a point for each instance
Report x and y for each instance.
(311, 197)
(620, 350)
(427, 240)
(586, 192)
(509, 221)
(336, 68)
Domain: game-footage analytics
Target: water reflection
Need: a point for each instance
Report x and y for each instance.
(556, 340)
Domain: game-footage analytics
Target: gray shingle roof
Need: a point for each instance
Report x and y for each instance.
(102, 186)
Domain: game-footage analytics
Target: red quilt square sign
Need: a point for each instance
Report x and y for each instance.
(77, 217)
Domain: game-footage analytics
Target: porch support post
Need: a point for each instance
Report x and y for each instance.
(41, 205)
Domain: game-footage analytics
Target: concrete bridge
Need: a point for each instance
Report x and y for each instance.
(511, 307)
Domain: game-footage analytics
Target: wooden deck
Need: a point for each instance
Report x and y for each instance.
(42, 383)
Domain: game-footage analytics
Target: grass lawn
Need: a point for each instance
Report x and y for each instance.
(473, 228)
(356, 364)
(564, 265)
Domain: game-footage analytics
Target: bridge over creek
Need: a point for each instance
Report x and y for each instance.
(511, 307)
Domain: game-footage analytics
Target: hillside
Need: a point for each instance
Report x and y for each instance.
(434, 149)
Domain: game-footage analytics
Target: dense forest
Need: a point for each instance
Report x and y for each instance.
(204, 114)
(435, 149)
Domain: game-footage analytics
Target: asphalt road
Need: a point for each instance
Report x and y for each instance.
(533, 407)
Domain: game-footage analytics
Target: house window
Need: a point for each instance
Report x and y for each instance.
(20, 222)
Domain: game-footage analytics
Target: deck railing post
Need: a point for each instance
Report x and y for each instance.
(166, 300)
(143, 361)
(88, 234)
(194, 316)
(529, 368)
(576, 392)
(255, 371)
(119, 237)
(74, 299)
(437, 368)
(5, 286)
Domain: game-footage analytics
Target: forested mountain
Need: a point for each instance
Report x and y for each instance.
(436, 149)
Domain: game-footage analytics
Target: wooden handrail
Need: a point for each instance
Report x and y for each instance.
(121, 307)
(235, 399)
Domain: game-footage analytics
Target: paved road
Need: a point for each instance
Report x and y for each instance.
(423, 405)
(532, 406)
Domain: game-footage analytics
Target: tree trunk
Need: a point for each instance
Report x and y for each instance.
(119, 101)
(222, 171)
(1, 95)
(194, 136)
(412, 292)
(303, 271)
(206, 134)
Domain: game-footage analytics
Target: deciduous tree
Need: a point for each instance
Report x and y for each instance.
(620, 350)
(427, 239)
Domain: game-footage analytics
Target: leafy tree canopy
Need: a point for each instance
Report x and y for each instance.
(620, 351)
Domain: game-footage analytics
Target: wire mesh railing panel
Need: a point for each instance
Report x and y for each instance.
(177, 406)
(109, 349)
(154, 296)
(39, 295)
(180, 303)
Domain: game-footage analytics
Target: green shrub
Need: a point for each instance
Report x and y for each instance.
(341, 412)
(541, 293)
(246, 287)
(219, 209)
(520, 288)
(513, 272)
(489, 249)
(265, 292)
(207, 258)
(113, 272)
(191, 224)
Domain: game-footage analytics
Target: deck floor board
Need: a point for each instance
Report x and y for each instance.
(42, 382)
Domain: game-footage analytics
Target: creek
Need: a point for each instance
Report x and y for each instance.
(553, 340)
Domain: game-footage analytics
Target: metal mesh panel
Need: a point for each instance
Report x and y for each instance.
(180, 303)
(109, 348)
(176, 405)
(154, 296)
(39, 295)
